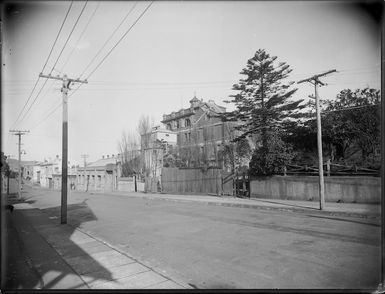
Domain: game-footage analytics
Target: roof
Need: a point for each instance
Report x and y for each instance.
(103, 162)
(214, 107)
(210, 104)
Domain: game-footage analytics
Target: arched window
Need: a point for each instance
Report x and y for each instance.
(187, 122)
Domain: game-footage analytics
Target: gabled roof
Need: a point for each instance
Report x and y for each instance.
(215, 107)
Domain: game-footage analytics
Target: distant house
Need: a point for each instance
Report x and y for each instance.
(101, 175)
(71, 177)
(45, 171)
(28, 168)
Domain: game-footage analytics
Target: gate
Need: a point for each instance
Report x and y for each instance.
(242, 185)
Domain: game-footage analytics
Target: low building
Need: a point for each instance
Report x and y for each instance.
(44, 174)
(101, 175)
(71, 178)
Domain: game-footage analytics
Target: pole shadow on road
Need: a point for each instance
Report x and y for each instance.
(38, 249)
(285, 204)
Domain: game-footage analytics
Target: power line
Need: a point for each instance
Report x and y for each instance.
(117, 43)
(45, 64)
(47, 116)
(65, 44)
(61, 27)
(109, 38)
(69, 36)
(81, 35)
(41, 89)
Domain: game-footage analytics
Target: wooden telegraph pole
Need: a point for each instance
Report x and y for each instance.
(19, 133)
(315, 81)
(66, 83)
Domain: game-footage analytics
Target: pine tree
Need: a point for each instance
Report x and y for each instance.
(262, 103)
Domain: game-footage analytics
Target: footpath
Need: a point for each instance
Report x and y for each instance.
(369, 211)
(41, 253)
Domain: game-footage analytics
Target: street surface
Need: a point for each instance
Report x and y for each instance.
(218, 247)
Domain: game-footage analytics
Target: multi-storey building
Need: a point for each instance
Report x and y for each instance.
(201, 133)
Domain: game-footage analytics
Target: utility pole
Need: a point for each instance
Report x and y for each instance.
(315, 81)
(85, 156)
(19, 133)
(66, 83)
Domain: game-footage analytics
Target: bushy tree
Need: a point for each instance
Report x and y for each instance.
(270, 159)
(263, 106)
(353, 118)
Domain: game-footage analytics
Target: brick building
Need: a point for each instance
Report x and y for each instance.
(201, 134)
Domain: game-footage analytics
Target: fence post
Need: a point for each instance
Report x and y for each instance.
(236, 184)
(328, 167)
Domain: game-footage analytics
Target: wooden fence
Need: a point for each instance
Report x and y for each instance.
(330, 169)
(196, 181)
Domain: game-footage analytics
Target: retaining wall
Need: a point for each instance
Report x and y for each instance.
(347, 189)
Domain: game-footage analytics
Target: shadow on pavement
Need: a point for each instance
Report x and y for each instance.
(285, 204)
(346, 220)
(39, 252)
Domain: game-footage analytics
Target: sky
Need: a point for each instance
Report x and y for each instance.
(160, 58)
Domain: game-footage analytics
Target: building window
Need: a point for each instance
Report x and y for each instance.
(189, 137)
(185, 137)
(177, 124)
(187, 122)
(168, 127)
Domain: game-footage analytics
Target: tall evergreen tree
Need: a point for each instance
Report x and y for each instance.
(262, 102)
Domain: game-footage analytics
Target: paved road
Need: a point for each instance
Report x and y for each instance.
(229, 247)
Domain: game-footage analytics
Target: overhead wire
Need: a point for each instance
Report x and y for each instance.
(47, 116)
(69, 56)
(81, 35)
(109, 38)
(65, 44)
(116, 44)
(45, 64)
(105, 43)
(69, 36)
